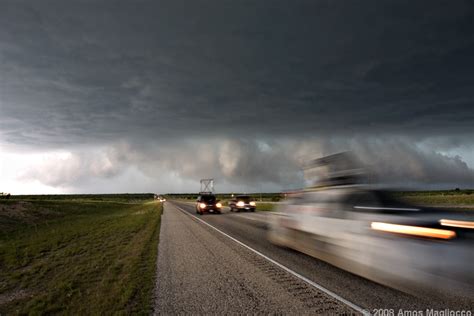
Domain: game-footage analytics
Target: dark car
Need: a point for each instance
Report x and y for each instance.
(208, 203)
(242, 203)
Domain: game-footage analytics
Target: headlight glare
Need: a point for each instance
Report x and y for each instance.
(414, 230)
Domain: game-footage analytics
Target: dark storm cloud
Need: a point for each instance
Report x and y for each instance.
(150, 73)
(83, 71)
(243, 165)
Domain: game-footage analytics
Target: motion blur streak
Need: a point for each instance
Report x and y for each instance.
(414, 230)
(358, 226)
(453, 223)
(386, 208)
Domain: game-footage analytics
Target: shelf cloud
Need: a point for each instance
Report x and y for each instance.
(153, 95)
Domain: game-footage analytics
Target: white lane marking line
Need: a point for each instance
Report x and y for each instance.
(296, 274)
(250, 218)
(387, 208)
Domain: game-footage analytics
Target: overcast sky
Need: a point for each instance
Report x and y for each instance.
(151, 96)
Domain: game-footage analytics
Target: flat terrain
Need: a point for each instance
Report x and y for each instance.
(78, 254)
(441, 199)
(97, 254)
(205, 251)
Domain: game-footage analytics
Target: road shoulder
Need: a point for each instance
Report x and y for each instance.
(201, 271)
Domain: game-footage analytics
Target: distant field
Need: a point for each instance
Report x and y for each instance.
(446, 198)
(78, 254)
(124, 197)
(262, 206)
(269, 197)
(461, 198)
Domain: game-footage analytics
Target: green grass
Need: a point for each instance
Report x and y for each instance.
(262, 206)
(457, 197)
(124, 197)
(78, 256)
(440, 199)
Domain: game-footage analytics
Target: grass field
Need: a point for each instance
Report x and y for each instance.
(262, 206)
(78, 254)
(461, 198)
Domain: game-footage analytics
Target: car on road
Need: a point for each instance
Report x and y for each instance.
(207, 203)
(242, 203)
(160, 198)
(371, 233)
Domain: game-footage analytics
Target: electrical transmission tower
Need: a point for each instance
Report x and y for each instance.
(207, 186)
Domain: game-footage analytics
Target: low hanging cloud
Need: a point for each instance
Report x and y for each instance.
(148, 96)
(250, 164)
(243, 162)
(403, 162)
(69, 169)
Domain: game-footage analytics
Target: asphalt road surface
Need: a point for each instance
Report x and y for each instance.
(224, 264)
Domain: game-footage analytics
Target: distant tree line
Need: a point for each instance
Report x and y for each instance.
(275, 197)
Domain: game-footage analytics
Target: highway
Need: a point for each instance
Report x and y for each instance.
(224, 263)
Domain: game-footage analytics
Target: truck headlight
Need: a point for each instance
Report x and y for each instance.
(253, 203)
(240, 203)
(219, 205)
(202, 205)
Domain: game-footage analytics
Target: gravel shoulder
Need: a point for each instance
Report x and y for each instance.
(200, 271)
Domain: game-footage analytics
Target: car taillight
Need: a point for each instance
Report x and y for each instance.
(413, 230)
(454, 223)
(202, 205)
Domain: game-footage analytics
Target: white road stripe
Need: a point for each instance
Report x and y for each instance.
(296, 274)
(387, 208)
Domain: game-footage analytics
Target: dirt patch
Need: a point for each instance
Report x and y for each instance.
(22, 213)
(17, 210)
(15, 295)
